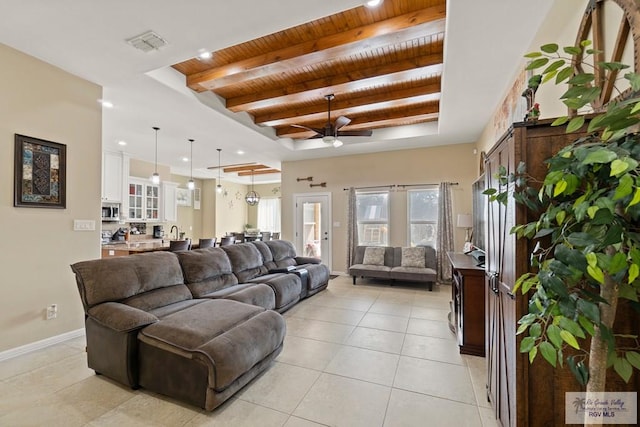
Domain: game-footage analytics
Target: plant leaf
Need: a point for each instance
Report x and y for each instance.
(596, 273)
(527, 344)
(634, 270)
(636, 198)
(560, 121)
(633, 358)
(553, 333)
(537, 63)
(533, 55)
(549, 48)
(532, 354)
(599, 156)
(575, 124)
(590, 310)
(623, 368)
(618, 167)
(564, 74)
(548, 352)
(570, 339)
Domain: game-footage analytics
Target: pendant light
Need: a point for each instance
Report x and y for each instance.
(191, 185)
(252, 198)
(155, 178)
(219, 186)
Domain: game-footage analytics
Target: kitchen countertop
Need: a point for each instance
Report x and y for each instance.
(138, 246)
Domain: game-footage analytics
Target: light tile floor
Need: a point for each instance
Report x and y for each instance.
(365, 355)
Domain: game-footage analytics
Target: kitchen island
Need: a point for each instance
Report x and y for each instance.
(124, 248)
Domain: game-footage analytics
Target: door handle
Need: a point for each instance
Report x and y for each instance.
(493, 281)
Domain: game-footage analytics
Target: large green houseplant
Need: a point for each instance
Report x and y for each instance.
(587, 255)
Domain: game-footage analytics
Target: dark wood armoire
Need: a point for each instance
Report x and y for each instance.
(522, 394)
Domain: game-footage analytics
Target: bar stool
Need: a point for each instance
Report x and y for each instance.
(207, 243)
(179, 245)
(227, 240)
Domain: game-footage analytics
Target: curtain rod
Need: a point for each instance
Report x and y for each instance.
(397, 185)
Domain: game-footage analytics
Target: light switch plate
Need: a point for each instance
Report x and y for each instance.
(84, 225)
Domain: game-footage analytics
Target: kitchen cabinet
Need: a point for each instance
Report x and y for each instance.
(115, 172)
(169, 204)
(143, 200)
(467, 296)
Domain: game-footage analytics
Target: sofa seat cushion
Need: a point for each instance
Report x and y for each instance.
(249, 293)
(227, 336)
(380, 271)
(287, 288)
(413, 274)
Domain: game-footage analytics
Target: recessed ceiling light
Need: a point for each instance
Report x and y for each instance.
(240, 152)
(185, 159)
(373, 3)
(122, 143)
(105, 103)
(205, 54)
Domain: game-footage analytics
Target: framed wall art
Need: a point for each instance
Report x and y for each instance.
(183, 197)
(39, 173)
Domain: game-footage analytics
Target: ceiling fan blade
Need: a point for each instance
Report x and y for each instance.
(355, 133)
(342, 121)
(319, 132)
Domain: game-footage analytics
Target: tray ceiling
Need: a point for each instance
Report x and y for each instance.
(384, 66)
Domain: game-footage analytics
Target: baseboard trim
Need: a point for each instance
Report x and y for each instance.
(38, 345)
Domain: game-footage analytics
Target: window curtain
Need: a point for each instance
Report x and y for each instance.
(352, 227)
(269, 214)
(445, 233)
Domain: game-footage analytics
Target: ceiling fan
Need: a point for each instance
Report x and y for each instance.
(331, 131)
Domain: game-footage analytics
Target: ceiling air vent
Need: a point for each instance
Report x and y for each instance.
(147, 42)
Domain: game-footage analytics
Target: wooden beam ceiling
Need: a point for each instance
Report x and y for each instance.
(384, 66)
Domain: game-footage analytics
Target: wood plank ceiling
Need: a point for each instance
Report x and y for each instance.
(384, 66)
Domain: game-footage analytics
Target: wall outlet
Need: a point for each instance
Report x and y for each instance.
(52, 311)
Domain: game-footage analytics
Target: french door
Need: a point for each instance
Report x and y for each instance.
(313, 225)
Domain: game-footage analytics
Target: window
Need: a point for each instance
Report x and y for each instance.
(373, 218)
(422, 218)
(269, 214)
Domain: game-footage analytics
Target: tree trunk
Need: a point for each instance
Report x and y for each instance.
(599, 346)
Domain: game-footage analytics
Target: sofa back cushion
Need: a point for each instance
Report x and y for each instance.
(283, 252)
(267, 256)
(246, 261)
(206, 270)
(144, 281)
(360, 252)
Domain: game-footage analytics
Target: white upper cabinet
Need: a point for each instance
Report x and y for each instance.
(115, 173)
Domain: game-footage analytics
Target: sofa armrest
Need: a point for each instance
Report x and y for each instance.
(121, 317)
(307, 260)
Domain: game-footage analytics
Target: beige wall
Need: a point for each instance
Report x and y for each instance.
(231, 209)
(453, 163)
(38, 245)
(561, 26)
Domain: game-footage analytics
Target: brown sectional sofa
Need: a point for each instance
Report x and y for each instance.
(194, 325)
(391, 266)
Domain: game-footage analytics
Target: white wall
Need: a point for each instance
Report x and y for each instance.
(37, 244)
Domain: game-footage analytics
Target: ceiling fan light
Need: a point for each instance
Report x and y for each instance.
(337, 143)
(328, 139)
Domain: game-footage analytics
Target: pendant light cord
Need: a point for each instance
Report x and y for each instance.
(156, 165)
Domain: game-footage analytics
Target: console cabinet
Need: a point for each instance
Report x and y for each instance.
(467, 296)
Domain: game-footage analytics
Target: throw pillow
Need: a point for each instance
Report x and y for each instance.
(373, 256)
(413, 257)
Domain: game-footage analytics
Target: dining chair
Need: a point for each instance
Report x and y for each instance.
(239, 237)
(207, 243)
(227, 240)
(265, 235)
(179, 245)
(275, 235)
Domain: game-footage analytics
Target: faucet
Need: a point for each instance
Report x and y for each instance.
(171, 231)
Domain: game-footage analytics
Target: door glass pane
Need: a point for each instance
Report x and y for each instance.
(312, 228)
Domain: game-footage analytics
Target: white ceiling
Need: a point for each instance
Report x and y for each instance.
(484, 44)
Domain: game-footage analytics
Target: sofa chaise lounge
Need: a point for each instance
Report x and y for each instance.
(416, 264)
(183, 324)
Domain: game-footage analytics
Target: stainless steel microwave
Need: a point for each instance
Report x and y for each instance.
(111, 212)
